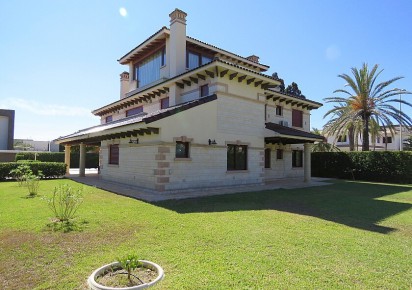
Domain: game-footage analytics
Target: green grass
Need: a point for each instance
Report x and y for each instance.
(346, 235)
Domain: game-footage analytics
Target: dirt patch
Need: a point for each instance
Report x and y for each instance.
(29, 259)
(118, 277)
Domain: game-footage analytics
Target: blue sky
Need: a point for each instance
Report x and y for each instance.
(58, 59)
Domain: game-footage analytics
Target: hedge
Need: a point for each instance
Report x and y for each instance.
(92, 159)
(49, 169)
(385, 166)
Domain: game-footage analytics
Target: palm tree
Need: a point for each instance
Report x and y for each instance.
(367, 100)
(322, 146)
(341, 124)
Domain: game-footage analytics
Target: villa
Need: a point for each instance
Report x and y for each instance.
(192, 115)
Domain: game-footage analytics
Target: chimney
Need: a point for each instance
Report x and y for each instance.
(253, 58)
(124, 84)
(177, 42)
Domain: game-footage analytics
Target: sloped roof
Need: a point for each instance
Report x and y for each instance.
(139, 118)
(287, 135)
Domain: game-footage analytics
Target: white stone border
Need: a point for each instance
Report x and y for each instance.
(91, 281)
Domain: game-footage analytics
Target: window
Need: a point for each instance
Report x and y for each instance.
(194, 59)
(164, 103)
(109, 119)
(204, 90)
(297, 158)
(134, 111)
(378, 140)
(279, 154)
(342, 138)
(236, 157)
(297, 118)
(182, 149)
(148, 70)
(267, 157)
(279, 110)
(386, 140)
(114, 154)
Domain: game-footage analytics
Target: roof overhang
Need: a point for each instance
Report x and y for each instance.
(292, 100)
(215, 68)
(150, 44)
(279, 134)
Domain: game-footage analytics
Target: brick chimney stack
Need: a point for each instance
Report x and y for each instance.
(253, 58)
(124, 84)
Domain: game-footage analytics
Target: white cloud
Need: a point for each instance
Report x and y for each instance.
(123, 11)
(332, 52)
(43, 109)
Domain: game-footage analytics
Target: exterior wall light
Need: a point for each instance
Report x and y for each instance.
(134, 141)
(212, 142)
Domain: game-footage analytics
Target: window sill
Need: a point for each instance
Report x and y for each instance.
(113, 165)
(183, 159)
(236, 171)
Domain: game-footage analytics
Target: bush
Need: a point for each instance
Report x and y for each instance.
(385, 166)
(48, 169)
(92, 159)
(65, 201)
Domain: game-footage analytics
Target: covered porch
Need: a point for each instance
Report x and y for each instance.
(282, 135)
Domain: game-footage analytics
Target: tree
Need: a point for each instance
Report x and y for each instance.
(365, 100)
(323, 146)
(293, 89)
(282, 86)
(341, 124)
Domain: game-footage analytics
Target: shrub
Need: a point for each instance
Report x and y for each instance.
(65, 202)
(32, 183)
(20, 173)
(385, 166)
(48, 169)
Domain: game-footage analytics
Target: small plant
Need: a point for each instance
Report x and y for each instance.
(32, 183)
(65, 202)
(129, 263)
(20, 173)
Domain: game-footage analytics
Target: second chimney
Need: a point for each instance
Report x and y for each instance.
(124, 84)
(253, 58)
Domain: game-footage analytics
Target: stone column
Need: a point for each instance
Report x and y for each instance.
(67, 158)
(82, 161)
(306, 162)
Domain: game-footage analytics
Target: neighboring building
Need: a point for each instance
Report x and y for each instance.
(193, 115)
(6, 129)
(380, 143)
(32, 145)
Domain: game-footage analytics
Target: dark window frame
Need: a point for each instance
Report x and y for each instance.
(185, 153)
(162, 103)
(279, 110)
(114, 154)
(109, 118)
(297, 158)
(268, 157)
(342, 138)
(297, 118)
(387, 140)
(279, 154)
(137, 64)
(134, 111)
(204, 90)
(239, 160)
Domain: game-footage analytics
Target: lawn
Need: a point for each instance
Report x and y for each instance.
(346, 235)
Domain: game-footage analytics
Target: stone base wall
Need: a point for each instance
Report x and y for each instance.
(155, 167)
